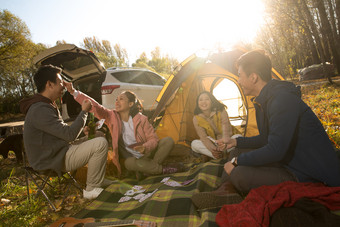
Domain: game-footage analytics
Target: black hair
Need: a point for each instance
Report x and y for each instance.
(215, 104)
(45, 73)
(256, 61)
(137, 104)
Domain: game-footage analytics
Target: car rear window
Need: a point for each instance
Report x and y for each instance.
(135, 77)
(155, 79)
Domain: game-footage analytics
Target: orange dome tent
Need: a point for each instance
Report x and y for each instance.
(217, 74)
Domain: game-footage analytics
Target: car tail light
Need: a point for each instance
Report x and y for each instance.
(109, 89)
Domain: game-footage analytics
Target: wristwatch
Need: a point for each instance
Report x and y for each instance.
(233, 161)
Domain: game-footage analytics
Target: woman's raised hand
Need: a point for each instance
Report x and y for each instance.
(221, 146)
(69, 87)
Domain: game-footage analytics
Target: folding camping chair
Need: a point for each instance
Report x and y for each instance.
(41, 180)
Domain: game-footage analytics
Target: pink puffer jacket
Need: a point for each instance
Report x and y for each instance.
(144, 132)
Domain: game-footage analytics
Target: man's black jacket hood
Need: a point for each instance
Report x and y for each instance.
(274, 87)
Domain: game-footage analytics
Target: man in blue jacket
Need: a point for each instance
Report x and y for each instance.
(292, 144)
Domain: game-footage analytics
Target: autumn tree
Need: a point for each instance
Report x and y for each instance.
(60, 42)
(115, 56)
(121, 55)
(142, 62)
(279, 35)
(16, 66)
(164, 65)
(299, 33)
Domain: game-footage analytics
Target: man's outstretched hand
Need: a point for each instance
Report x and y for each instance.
(86, 106)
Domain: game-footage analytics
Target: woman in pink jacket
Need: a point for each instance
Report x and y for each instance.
(133, 137)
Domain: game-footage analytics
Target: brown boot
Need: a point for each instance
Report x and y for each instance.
(225, 194)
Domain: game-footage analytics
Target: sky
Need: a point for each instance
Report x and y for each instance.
(179, 27)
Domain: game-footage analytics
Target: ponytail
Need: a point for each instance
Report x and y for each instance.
(137, 104)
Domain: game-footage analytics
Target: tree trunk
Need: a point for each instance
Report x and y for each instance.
(314, 30)
(332, 18)
(327, 32)
(337, 11)
(308, 35)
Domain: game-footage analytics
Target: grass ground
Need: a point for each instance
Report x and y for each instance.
(325, 102)
(16, 211)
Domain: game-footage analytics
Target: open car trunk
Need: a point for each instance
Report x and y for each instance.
(81, 67)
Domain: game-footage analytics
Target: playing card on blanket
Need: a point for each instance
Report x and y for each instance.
(124, 199)
(172, 183)
(147, 195)
(130, 192)
(139, 196)
(165, 179)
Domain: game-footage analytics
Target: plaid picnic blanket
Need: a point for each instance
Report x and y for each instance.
(168, 206)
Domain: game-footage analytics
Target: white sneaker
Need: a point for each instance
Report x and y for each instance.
(92, 194)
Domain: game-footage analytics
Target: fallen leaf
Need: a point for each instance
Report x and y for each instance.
(5, 201)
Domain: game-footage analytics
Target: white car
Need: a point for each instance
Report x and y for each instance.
(144, 83)
(89, 75)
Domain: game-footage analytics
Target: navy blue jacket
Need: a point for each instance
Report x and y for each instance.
(290, 134)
